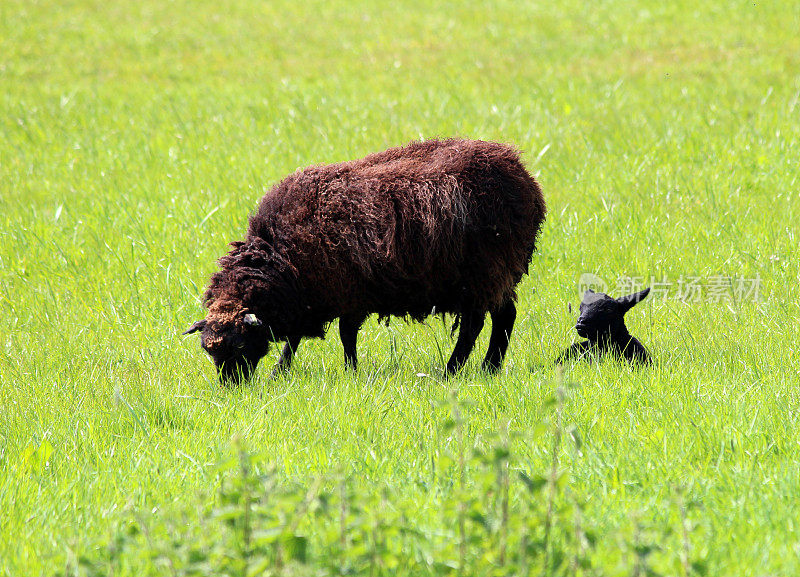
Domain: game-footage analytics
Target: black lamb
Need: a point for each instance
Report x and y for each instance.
(602, 321)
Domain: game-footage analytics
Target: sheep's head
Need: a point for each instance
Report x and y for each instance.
(236, 341)
(603, 317)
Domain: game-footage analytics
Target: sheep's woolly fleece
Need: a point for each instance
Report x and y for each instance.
(440, 225)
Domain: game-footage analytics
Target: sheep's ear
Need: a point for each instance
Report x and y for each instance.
(198, 326)
(629, 301)
(251, 320)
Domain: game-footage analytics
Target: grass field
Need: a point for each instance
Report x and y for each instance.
(135, 138)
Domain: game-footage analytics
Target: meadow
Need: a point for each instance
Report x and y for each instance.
(135, 139)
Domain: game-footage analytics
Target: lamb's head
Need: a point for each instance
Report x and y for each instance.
(235, 339)
(603, 317)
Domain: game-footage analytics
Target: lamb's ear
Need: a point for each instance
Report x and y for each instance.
(198, 326)
(629, 301)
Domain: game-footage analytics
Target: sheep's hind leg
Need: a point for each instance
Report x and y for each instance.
(289, 349)
(471, 325)
(502, 325)
(348, 332)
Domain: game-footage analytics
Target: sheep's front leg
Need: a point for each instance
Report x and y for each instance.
(348, 331)
(289, 349)
(471, 325)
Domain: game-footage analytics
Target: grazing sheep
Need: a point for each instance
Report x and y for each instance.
(602, 321)
(441, 226)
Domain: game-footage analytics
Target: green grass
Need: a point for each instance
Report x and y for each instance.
(136, 138)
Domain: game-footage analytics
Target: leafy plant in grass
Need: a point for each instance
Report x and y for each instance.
(253, 526)
(259, 517)
(489, 515)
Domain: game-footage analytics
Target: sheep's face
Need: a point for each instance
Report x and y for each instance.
(603, 317)
(235, 342)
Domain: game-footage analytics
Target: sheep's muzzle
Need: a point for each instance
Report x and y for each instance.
(234, 371)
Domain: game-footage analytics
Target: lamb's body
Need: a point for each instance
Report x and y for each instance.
(627, 347)
(438, 226)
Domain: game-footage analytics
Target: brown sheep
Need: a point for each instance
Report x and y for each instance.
(440, 226)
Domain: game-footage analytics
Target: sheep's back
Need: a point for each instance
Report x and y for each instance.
(437, 223)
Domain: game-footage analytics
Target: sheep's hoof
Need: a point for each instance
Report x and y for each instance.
(490, 368)
(452, 370)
